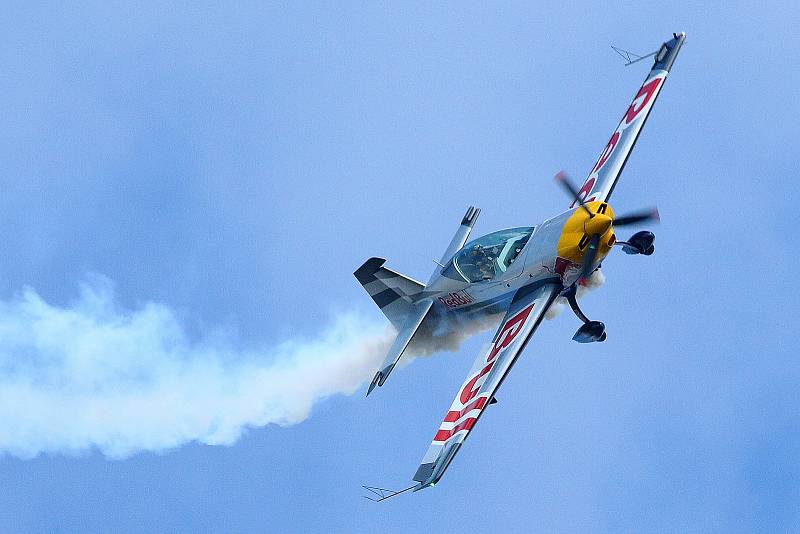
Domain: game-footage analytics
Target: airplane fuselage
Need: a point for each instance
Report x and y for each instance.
(554, 250)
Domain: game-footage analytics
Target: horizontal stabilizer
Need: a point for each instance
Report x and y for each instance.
(402, 340)
(391, 291)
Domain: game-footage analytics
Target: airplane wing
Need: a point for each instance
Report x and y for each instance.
(525, 313)
(605, 173)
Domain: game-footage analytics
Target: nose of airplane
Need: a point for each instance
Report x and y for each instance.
(599, 224)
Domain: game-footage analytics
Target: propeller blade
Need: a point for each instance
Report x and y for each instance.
(590, 255)
(636, 218)
(563, 179)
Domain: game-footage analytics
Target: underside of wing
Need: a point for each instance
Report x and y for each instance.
(606, 171)
(525, 313)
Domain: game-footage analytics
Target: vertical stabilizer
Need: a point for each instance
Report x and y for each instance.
(462, 234)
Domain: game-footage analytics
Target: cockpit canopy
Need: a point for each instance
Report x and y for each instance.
(489, 256)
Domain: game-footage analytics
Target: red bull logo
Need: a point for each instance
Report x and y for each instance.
(456, 300)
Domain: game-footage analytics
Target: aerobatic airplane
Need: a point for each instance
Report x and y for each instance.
(518, 272)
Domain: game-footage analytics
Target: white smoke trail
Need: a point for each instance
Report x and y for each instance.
(595, 280)
(93, 376)
(449, 333)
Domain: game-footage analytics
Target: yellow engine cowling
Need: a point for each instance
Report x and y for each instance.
(580, 227)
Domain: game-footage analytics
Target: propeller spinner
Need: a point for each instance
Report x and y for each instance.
(598, 222)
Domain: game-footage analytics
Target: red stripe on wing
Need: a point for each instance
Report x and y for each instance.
(453, 416)
(444, 435)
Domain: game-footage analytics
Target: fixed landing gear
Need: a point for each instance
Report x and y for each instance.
(590, 331)
(639, 243)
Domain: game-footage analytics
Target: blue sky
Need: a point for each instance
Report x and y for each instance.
(235, 164)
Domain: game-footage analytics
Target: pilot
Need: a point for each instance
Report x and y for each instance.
(482, 261)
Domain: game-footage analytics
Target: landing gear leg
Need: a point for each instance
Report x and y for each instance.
(590, 331)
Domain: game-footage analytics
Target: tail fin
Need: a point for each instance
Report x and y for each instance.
(461, 236)
(391, 291)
